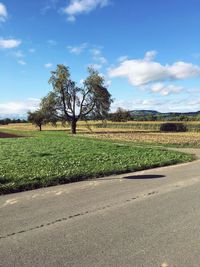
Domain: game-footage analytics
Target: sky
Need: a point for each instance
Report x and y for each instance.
(148, 51)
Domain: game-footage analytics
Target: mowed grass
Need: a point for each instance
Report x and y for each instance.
(55, 157)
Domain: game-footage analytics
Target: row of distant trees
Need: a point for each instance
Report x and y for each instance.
(163, 117)
(7, 121)
(120, 115)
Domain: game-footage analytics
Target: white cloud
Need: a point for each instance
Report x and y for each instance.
(108, 83)
(22, 62)
(48, 65)
(9, 43)
(3, 13)
(165, 89)
(52, 42)
(19, 54)
(81, 82)
(102, 60)
(143, 71)
(77, 50)
(19, 108)
(77, 7)
(98, 57)
(95, 52)
(150, 55)
(50, 4)
(181, 70)
(122, 58)
(194, 91)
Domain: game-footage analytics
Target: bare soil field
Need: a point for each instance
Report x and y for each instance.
(7, 135)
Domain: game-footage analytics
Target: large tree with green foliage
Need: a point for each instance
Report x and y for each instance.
(70, 103)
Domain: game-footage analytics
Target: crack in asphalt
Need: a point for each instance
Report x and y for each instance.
(78, 215)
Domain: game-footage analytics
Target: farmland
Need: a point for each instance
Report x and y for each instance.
(153, 138)
(134, 132)
(53, 156)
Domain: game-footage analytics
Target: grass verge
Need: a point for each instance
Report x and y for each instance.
(51, 158)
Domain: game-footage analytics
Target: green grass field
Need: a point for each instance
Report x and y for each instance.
(55, 157)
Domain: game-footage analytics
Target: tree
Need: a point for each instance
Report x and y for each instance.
(69, 103)
(37, 118)
(121, 115)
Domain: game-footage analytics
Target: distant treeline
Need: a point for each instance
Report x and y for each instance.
(7, 121)
(122, 115)
(161, 117)
(125, 115)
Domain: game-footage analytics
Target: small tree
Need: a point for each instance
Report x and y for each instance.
(37, 118)
(121, 115)
(69, 103)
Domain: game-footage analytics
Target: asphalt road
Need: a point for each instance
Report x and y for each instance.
(149, 218)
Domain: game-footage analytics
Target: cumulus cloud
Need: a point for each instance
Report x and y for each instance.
(165, 89)
(150, 55)
(140, 72)
(48, 65)
(9, 43)
(3, 12)
(77, 7)
(19, 108)
(77, 50)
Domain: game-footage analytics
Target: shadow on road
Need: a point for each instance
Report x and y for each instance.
(134, 177)
(150, 176)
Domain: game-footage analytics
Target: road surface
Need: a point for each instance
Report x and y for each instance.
(149, 218)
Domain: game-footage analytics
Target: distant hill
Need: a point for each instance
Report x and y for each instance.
(144, 112)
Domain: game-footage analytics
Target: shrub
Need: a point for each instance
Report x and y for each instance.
(173, 127)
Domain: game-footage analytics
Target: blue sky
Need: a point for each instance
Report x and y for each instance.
(148, 51)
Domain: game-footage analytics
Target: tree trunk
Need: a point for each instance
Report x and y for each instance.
(40, 126)
(73, 126)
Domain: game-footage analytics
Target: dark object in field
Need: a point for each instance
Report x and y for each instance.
(7, 135)
(173, 127)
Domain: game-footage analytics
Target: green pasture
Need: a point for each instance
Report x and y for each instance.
(55, 157)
